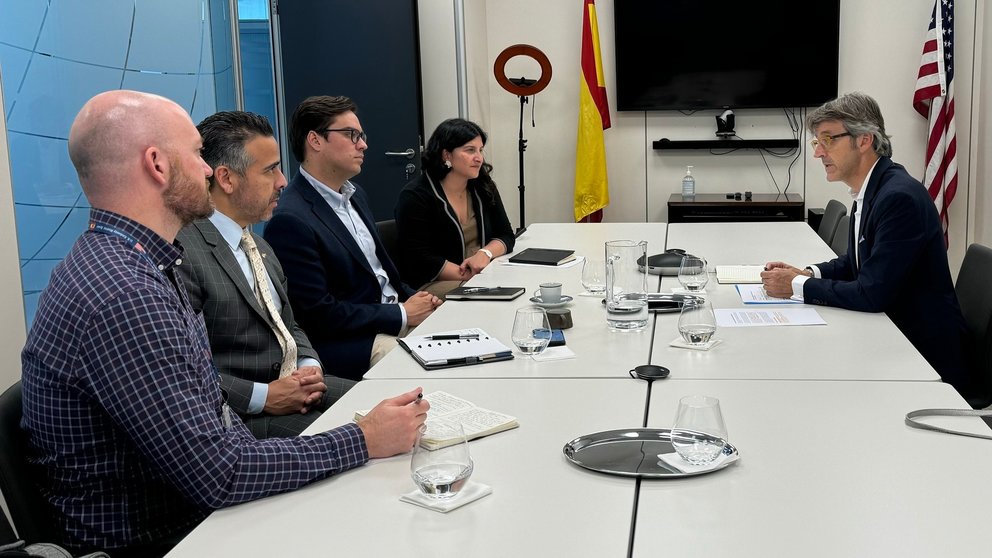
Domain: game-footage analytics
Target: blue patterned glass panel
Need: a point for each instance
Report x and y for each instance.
(68, 32)
(56, 55)
(20, 23)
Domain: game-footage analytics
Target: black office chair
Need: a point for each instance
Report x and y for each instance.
(839, 241)
(29, 511)
(975, 297)
(831, 217)
(390, 237)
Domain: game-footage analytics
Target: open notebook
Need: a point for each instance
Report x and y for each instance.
(478, 422)
(461, 347)
(739, 273)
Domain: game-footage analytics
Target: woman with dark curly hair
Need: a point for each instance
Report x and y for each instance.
(451, 221)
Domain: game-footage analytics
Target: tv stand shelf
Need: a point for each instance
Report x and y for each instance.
(715, 208)
(666, 143)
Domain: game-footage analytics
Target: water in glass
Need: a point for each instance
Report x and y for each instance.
(626, 285)
(441, 473)
(697, 322)
(531, 332)
(692, 273)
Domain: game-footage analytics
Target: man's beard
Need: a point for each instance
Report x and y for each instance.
(186, 197)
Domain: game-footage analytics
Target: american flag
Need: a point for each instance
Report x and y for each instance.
(934, 99)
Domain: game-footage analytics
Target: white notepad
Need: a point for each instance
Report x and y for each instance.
(739, 273)
(460, 347)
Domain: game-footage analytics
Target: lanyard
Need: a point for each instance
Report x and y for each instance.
(128, 239)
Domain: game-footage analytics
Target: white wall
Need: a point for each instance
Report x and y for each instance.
(12, 329)
(881, 44)
(982, 152)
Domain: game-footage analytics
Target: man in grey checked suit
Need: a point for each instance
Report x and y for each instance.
(219, 276)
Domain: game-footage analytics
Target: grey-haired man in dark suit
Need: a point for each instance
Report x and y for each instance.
(277, 390)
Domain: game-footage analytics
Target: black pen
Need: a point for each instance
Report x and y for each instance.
(444, 337)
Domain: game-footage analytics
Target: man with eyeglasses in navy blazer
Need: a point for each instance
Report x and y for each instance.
(896, 261)
(345, 291)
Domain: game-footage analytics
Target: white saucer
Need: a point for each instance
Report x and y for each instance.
(565, 299)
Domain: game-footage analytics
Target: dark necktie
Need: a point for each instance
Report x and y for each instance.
(853, 244)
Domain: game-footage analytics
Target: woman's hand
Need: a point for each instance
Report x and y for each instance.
(475, 264)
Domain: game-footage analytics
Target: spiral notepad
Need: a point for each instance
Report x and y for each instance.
(462, 347)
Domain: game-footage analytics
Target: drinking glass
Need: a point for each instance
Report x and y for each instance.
(697, 322)
(531, 330)
(699, 434)
(441, 473)
(594, 275)
(692, 273)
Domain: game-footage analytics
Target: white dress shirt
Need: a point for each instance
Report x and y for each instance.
(859, 196)
(340, 204)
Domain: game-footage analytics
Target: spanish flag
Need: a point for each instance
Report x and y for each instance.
(591, 189)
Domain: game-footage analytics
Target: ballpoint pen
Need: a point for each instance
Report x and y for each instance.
(469, 290)
(453, 336)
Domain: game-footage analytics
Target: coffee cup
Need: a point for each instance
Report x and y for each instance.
(549, 293)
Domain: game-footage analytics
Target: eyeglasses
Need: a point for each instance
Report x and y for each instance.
(826, 140)
(353, 134)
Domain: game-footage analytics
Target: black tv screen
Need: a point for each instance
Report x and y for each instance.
(702, 54)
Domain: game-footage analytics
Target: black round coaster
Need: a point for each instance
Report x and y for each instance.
(650, 372)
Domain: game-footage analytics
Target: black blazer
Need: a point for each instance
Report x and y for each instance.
(334, 292)
(429, 232)
(903, 271)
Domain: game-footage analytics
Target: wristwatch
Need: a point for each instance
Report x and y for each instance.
(487, 252)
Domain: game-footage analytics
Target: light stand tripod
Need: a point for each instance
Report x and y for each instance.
(521, 147)
(522, 88)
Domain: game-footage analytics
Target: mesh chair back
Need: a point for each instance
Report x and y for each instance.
(831, 217)
(839, 241)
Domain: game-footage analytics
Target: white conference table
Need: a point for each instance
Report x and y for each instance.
(827, 469)
(852, 346)
(792, 242)
(541, 504)
(600, 353)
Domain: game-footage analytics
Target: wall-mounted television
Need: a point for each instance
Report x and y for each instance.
(705, 54)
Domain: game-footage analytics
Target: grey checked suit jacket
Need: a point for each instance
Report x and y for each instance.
(245, 349)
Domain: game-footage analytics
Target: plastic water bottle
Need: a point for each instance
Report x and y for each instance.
(688, 184)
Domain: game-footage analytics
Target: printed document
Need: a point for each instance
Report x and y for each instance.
(747, 317)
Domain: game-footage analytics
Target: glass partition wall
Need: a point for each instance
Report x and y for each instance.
(55, 55)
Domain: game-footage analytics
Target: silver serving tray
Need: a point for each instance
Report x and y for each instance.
(633, 452)
(667, 303)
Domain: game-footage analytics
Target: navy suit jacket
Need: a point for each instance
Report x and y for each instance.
(903, 271)
(335, 295)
